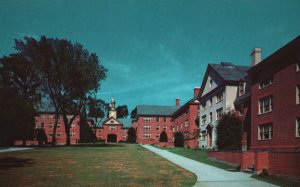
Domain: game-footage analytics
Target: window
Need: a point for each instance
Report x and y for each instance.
(298, 127)
(298, 94)
(186, 123)
(50, 126)
(69, 117)
(124, 131)
(203, 105)
(157, 119)
(203, 120)
(203, 136)
(210, 117)
(265, 105)
(164, 128)
(164, 119)
(42, 125)
(42, 116)
(51, 116)
(100, 130)
(210, 82)
(241, 88)
(177, 128)
(265, 132)
(124, 138)
(58, 125)
(99, 137)
(298, 67)
(219, 114)
(265, 82)
(157, 127)
(146, 119)
(112, 127)
(157, 135)
(186, 135)
(72, 134)
(210, 102)
(180, 125)
(146, 135)
(58, 134)
(50, 134)
(219, 97)
(72, 125)
(146, 127)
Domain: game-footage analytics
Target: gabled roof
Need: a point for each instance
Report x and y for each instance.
(127, 123)
(156, 110)
(182, 108)
(229, 73)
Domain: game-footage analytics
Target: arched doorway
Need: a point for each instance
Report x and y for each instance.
(111, 138)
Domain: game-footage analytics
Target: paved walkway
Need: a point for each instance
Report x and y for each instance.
(209, 176)
(10, 149)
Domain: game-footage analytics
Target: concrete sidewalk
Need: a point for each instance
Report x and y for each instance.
(208, 175)
(10, 149)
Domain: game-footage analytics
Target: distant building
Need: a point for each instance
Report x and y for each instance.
(275, 100)
(151, 121)
(217, 96)
(113, 129)
(184, 121)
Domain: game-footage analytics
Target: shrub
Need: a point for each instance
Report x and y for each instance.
(163, 137)
(178, 139)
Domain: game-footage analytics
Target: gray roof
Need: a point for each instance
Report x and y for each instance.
(230, 72)
(46, 107)
(152, 110)
(127, 122)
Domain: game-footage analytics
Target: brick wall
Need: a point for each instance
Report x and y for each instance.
(245, 159)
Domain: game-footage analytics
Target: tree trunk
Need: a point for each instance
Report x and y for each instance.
(67, 128)
(24, 142)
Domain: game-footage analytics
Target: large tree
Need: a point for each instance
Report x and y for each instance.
(229, 132)
(97, 110)
(20, 92)
(69, 74)
(131, 135)
(122, 111)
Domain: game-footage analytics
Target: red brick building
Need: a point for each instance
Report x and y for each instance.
(46, 119)
(184, 121)
(275, 100)
(151, 121)
(113, 129)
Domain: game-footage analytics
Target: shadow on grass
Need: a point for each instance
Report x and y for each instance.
(7, 163)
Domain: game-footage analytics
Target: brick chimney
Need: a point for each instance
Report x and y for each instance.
(196, 91)
(255, 56)
(177, 102)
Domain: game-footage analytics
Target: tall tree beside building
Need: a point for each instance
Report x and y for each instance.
(178, 139)
(229, 132)
(122, 111)
(163, 137)
(131, 135)
(69, 74)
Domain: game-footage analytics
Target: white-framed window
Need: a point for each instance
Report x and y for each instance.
(58, 134)
(157, 119)
(265, 104)
(265, 132)
(210, 82)
(69, 117)
(146, 135)
(100, 137)
(146, 127)
(51, 116)
(72, 125)
(58, 125)
(219, 97)
(298, 67)
(72, 134)
(99, 130)
(164, 128)
(42, 125)
(43, 117)
(180, 125)
(50, 126)
(124, 131)
(186, 135)
(298, 127)
(210, 101)
(203, 105)
(164, 119)
(124, 138)
(186, 123)
(210, 116)
(265, 82)
(157, 127)
(203, 120)
(112, 127)
(176, 127)
(50, 134)
(298, 94)
(219, 114)
(241, 88)
(157, 135)
(146, 119)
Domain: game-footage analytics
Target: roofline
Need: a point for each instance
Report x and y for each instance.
(277, 54)
(187, 104)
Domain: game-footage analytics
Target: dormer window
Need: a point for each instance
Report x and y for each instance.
(210, 82)
(242, 88)
(265, 82)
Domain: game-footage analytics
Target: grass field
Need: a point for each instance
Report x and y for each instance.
(196, 154)
(120, 165)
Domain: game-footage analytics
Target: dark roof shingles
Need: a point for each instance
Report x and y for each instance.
(156, 110)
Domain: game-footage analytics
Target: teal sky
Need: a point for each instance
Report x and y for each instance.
(155, 50)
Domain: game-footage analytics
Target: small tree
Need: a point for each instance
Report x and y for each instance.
(229, 132)
(178, 139)
(131, 135)
(163, 137)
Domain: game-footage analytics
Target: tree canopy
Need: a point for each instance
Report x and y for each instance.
(229, 132)
(122, 111)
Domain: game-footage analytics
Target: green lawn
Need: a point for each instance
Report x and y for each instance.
(196, 154)
(121, 165)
